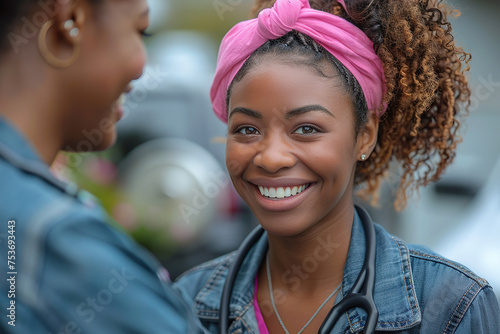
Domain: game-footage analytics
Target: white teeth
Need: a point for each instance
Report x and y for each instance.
(122, 99)
(281, 192)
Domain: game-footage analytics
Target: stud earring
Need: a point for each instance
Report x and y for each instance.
(74, 32)
(363, 157)
(69, 25)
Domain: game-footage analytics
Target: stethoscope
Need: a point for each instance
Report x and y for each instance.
(360, 295)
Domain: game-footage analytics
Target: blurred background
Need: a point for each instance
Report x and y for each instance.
(165, 181)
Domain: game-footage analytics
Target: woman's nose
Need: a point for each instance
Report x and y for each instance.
(274, 153)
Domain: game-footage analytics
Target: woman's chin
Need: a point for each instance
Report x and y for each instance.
(108, 142)
(118, 112)
(278, 228)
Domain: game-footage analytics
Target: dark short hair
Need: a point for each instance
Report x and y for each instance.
(12, 11)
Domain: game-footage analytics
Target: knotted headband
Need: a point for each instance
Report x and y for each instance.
(343, 40)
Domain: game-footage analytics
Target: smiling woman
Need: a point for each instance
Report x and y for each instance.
(319, 102)
(65, 67)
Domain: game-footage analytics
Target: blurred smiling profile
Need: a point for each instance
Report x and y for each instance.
(64, 69)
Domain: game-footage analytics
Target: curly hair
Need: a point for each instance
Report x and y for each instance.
(427, 89)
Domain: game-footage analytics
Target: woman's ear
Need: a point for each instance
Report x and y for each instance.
(59, 38)
(367, 137)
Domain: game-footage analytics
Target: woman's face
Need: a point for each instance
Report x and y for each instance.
(291, 149)
(112, 55)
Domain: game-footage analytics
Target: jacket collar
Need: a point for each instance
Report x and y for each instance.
(394, 293)
(17, 150)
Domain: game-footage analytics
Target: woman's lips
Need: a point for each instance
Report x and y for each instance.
(120, 112)
(119, 106)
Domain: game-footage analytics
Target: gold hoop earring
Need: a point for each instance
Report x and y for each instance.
(48, 56)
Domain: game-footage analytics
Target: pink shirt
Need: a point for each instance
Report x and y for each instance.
(260, 319)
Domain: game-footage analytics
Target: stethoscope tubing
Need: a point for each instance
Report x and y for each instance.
(241, 253)
(361, 294)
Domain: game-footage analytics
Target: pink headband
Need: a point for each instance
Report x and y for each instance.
(342, 39)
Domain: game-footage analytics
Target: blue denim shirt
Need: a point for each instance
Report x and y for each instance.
(416, 290)
(71, 271)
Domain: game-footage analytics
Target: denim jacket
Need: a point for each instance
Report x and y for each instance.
(70, 271)
(416, 290)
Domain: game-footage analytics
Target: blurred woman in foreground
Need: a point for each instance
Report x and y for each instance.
(63, 67)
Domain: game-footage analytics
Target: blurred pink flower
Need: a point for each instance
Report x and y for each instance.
(100, 171)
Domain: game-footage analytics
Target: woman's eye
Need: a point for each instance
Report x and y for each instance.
(306, 130)
(145, 34)
(248, 130)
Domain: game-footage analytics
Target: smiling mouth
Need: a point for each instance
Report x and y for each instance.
(282, 192)
(122, 99)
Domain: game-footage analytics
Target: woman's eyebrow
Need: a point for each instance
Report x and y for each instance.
(306, 109)
(246, 111)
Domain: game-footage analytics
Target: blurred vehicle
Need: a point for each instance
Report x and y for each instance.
(475, 241)
(175, 188)
(172, 97)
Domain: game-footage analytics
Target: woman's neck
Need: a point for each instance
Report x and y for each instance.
(26, 101)
(32, 118)
(315, 260)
